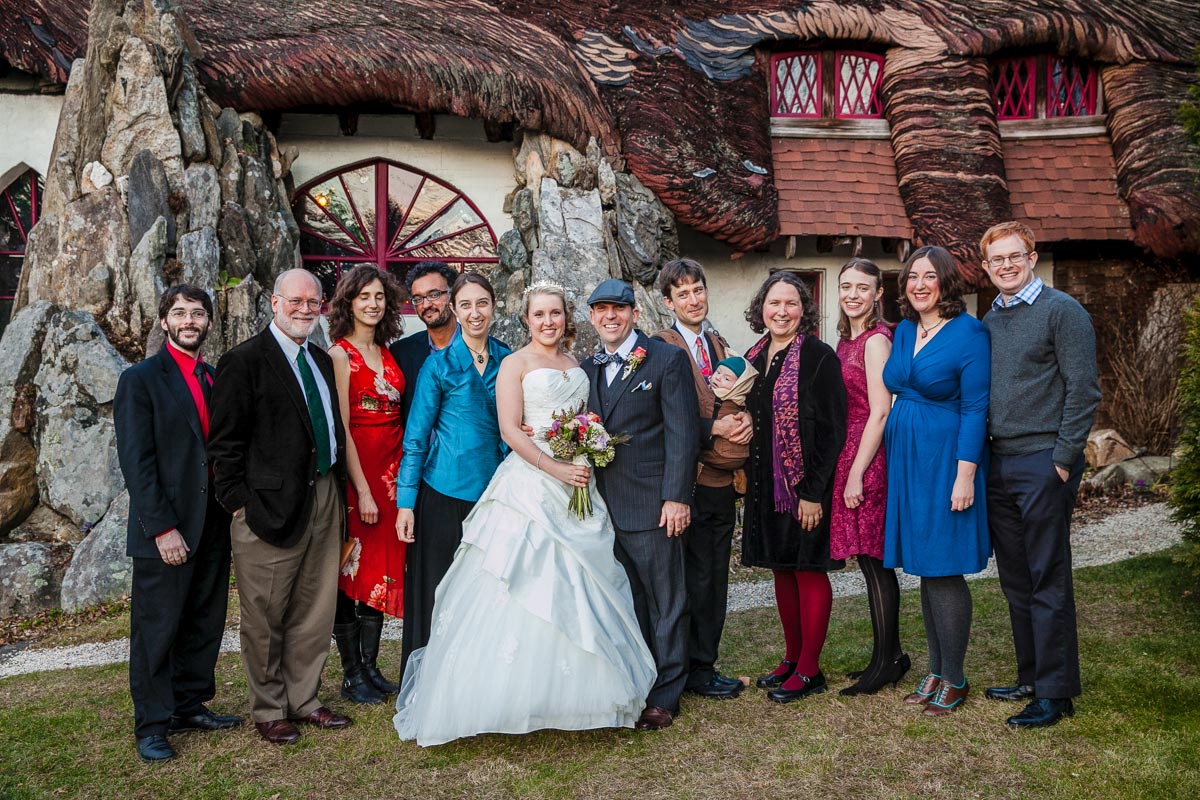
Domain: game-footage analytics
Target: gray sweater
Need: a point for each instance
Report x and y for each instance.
(1044, 385)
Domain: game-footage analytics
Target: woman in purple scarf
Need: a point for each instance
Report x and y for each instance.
(799, 413)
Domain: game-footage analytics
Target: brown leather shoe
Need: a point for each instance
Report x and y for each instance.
(925, 691)
(325, 718)
(278, 731)
(654, 719)
(947, 699)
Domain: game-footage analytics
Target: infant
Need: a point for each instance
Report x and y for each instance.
(730, 383)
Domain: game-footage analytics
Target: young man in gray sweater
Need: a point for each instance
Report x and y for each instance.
(1044, 397)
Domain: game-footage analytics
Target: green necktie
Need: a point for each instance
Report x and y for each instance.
(316, 412)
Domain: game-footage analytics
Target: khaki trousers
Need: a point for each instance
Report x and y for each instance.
(288, 596)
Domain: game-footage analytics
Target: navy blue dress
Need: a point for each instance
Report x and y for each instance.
(939, 418)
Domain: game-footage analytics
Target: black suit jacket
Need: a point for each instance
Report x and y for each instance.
(410, 354)
(261, 440)
(163, 456)
(656, 407)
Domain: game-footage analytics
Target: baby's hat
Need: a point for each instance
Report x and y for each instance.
(735, 364)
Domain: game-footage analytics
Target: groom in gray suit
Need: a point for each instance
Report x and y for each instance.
(643, 388)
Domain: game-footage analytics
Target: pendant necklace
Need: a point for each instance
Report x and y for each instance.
(479, 357)
(926, 331)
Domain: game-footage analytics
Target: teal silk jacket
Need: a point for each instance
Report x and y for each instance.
(452, 435)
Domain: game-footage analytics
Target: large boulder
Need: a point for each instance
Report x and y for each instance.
(20, 358)
(78, 472)
(100, 571)
(29, 578)
(47, 526)
(139, 116)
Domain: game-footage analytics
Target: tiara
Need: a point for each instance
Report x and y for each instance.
(544, 286)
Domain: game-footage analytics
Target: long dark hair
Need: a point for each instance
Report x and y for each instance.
(810, 317)
(867, 267)
(341, 314)
(950, 283)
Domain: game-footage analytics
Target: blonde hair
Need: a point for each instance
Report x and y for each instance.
(553, 289)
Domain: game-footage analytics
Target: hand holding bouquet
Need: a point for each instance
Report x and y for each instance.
(580, 438)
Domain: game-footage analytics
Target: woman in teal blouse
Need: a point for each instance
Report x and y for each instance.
(452, 446)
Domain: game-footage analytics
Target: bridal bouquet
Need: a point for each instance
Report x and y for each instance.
(578, 437)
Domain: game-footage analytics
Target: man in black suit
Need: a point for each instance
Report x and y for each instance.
(642, 387)
(178, 536)
(278, 449)
(428, 285)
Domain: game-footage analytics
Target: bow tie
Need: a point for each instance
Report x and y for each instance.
(601, 359)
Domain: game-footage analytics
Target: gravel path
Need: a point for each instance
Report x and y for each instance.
(1135, 532)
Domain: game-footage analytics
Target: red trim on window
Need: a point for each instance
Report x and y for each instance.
(797, 93)
(856, 96)
(31, 177)
(1014, 87)
(1071, 88)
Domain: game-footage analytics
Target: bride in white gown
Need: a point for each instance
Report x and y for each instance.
(533, 625)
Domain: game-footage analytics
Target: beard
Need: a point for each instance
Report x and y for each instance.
(441, 320)
(177, 334)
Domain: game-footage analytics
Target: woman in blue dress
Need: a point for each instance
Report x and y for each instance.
(452, 447)
(940, 372)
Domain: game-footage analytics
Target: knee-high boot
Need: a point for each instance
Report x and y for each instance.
(355, 686)
(370, 630)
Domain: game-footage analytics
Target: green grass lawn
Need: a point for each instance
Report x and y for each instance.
(1136, 733)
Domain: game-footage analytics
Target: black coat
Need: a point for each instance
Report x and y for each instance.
(261, 440)
(410, 354)
(162, 452)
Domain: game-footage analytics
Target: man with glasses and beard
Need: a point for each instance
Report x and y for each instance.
(178, 536)
(278, 450)
(428, 284)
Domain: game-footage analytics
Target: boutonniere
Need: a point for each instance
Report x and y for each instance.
(634, 361)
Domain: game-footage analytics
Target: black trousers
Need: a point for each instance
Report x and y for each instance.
(706, 547)
(654, 563)
(176, 619)
(438, 521)
(1029, 517)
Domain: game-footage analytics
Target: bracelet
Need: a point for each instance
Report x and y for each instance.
(538, 465)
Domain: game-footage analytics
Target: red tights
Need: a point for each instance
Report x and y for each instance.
(804, 599)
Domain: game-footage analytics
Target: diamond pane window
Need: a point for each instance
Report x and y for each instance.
(20, 204)
(1070, 88)
(390, 215)
(858, 78)
(796, 85)
(1014, 83)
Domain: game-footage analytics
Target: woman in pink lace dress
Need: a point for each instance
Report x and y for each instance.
(860, 482)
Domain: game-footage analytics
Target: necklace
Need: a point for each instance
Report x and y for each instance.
(926, 331)
(480, 357)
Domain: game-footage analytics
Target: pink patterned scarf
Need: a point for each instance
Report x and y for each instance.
(787, 455)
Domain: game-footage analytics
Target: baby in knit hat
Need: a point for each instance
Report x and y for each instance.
(731, 381)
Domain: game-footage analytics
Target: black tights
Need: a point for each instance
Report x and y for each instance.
(946, 607)
(883, 596)
(345, 613)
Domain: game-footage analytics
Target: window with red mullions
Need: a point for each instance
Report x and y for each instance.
(858, 78)
(796, 84)
(20, 205)
(1070, 88)
(1014, 87)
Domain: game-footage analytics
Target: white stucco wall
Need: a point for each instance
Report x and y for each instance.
(27, 126)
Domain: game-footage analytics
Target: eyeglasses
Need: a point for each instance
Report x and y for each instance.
(419, 300)
(178, 313)
(300, 302)
(1017, 259)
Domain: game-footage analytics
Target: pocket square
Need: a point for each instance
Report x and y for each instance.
(643, 386)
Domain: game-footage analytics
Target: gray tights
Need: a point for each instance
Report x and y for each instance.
(946, 607)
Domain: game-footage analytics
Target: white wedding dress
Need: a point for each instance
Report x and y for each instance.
(533, 625)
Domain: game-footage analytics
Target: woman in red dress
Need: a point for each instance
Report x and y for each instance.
(364, 317)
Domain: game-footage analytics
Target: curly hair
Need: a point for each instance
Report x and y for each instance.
(950, 283)
(869, 268)
(810, 317)
(429, 267)
(554, 290)
(341, 307)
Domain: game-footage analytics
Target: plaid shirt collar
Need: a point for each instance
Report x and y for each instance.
(1026, 295)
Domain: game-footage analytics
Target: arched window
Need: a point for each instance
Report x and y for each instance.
(388, 214)
(20, 204)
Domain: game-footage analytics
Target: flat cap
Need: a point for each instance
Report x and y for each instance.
(612, 291)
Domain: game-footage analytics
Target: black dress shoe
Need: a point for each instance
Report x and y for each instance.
(717, 688)
(1042, 713)
(203, 720)
(870, 684)
(153, 749)
(773, 680)
(1021, 692)
(814, 685)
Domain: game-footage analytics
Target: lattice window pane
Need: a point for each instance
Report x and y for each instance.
(1013, 88)
(796, 85)
(1070, 88)
(858, 79)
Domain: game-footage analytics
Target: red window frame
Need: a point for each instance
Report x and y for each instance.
(1073, 92)
(31, 179)
(814, 86)
(363, 246)
(1014, 96)
(875, 104)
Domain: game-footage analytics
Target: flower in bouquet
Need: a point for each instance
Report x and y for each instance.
(579, 437)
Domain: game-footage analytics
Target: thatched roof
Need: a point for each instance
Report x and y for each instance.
(681, 88)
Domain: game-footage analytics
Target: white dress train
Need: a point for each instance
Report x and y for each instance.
(533, 625)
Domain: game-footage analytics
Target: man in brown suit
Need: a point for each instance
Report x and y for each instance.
(707, 541)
